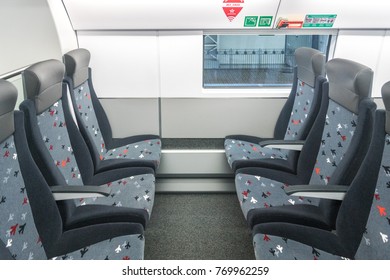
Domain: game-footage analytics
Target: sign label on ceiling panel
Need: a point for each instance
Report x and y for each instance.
(319, 20)
(250, 21)
(232, 8)
(265, 21)
(285, 23)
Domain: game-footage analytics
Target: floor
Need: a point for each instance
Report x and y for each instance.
(197, 227)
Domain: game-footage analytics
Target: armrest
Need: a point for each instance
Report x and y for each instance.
(76, 192)
(295, 145)
(335, 192)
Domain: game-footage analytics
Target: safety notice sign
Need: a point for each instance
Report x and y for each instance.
(265, 21)
(319, 21)
(232, 8)
(250, 21)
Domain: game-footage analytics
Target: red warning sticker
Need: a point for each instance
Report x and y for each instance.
(232, 8)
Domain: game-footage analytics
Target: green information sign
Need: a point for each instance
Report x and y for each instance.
(265, 21)
(319, 20)
(250, 21)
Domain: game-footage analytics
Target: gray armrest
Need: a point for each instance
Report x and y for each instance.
(295, 145)
(336, 192)
(77, 192)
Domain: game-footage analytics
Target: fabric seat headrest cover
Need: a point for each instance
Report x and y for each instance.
(8, 97)
(386, 101)
(76, 63)
(349, 82)
(310, 64)
(43, 83)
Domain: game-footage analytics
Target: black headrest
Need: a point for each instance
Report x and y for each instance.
(310, 64)
(76, 63)
(386, 101)
(43, 83)
(8, 97)
(349, 82)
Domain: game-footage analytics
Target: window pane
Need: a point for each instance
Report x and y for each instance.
(254, 60)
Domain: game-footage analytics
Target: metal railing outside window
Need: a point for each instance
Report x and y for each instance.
(237, 61)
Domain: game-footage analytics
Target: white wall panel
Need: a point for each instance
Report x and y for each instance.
(27, 33)
(124, 64)
(383, 69)
(193, 162)
(181, 64)
(216, 118)
(364, 47)
(160, 15)
(66, 34)
(208, 14)
(356, 14)
(132, 116)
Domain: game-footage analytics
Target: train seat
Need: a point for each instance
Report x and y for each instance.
(30, 221)
(294, 122)
(330, 157)
(362, 222)
(64, 159)
(143, 150)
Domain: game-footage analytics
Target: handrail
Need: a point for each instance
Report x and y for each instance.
(13, 73)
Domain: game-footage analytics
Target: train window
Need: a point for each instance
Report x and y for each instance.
(254, 60)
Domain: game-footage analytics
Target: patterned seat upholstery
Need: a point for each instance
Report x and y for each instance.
(362, 227)
(140, 150)
(294, 123)
(63, 156)
(339, 151)
(30, 222)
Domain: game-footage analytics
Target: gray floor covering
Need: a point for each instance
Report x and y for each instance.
(197, 227)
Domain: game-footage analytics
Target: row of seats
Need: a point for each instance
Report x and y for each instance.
(69, 189)
(326, 198)
(318, 190)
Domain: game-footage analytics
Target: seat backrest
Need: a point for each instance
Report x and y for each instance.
(349, 84)
(341, 133)
(299, 112)
(370, 198)
(51, 127)
(92, 119)
(23, 191)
